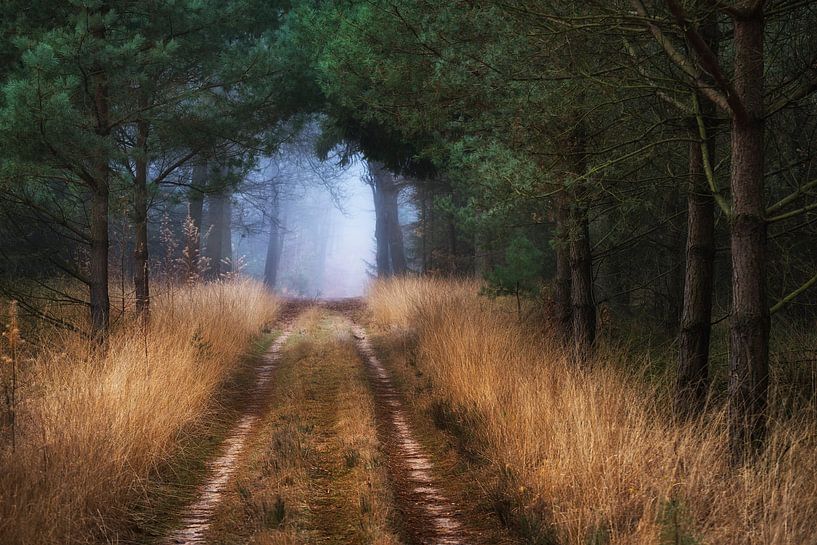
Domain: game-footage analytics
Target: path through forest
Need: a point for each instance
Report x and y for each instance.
(313, 363)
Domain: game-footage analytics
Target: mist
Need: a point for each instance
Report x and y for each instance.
(323, 216)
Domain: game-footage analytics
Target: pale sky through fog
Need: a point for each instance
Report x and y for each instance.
(351, 243)
(309, 215)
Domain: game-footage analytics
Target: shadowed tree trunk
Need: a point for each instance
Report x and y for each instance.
(749, 323)
(561, 294)
(693, 356)
(217, 226)
(581, 258)
(581, 276)
(141, 270)
(99, 297)
(696, 314)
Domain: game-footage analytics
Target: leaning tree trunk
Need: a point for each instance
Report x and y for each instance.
(749, 322)
(274, 246)
(141, 271)
(561, 294)
(696, 314)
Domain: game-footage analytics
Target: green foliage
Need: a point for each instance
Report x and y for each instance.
(522, 271)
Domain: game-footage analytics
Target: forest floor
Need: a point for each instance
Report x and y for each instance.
(329, 449)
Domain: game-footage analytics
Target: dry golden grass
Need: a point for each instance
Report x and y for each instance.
(93, 428)
(313, 471)
(593, 456)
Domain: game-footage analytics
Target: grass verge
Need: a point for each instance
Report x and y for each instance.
(94, 430)
(590, 456)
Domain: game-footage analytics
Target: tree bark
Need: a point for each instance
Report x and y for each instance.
(749, 323)
(141, 271)
(696, 314)
(581, 276)
(561, 294)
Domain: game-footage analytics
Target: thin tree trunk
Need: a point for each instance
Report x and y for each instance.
(141, 270)
(274, 246)
(696, 314)
(749, 323)
(561, 294)
(453, 246)
(226, 228)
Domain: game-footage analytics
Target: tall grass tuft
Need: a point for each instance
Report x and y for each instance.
(92, 428)
(594, 455)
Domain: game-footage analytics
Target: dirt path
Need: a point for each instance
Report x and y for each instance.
(303, 463)
(428, 516)
(195, 520)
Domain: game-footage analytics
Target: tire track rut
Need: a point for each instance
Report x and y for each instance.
(428, 516)
(195, 519)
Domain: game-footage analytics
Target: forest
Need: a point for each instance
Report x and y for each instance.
(404, 272)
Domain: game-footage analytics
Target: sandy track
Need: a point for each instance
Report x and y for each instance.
(196, 518)
(428, 517)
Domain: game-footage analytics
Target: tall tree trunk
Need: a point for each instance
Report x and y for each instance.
(381, 226)
(693, 356)
(195, 210)
(275, 244)
(141, 272)
(215, 237)
(581, 276)
(749, 323)
(561, 294)
(100, 301)
(696, 314)
(99, 297)
(581, 258)
(396, 248)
